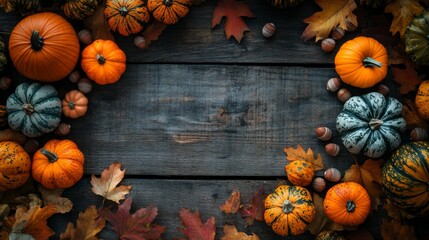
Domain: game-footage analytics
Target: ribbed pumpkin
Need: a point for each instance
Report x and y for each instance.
(103, 61)
(34, 109)
(416, 39)
(406, 178)
(300, 173)
(422, 100)
(23, 5)
(79, 9)
(59, 164)
(289, 209)
(15, 165)
(3, 57)
(280, 4)
(44, 47)
(75, 104)
(126, 17)
(371, 124)
(362, 62)
(169, 11)
(347, 204)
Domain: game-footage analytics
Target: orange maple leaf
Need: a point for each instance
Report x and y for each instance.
(411, 115)
(231, 233)
(299, 153)
(233, 11)
(33, 222)
(403, 12)
(333, 14)
(97, 24)
(407, 77)
(88, 226)
(152, 32)
(232, 204)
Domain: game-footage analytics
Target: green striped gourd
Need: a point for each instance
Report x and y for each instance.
(417, 39)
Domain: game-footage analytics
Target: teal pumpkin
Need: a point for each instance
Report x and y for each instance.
(3, 58)
(34, 109)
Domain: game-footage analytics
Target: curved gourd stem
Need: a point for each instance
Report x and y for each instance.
(123, 11)
(168, 2)
(371, 62)
(287, 206)
(52, 157)
(101, 60)
(36, 40)
(28, 108)
(71, 105)
(350, 206)
(375, 124)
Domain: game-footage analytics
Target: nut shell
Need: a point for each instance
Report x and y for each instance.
(74, 76)
(84, 85)
(323, 133)
(383, 89)
(268, 30)
(333, 84)
(5, 83)
(344, 94)
(337, 33)
(85, 36)
(332, 175)
(62, 129)
(332, 149)
(328, 45)
(31, 146)
(318, 184)
(418, 134)
(140, 42)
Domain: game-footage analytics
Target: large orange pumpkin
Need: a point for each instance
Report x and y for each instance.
(59, 164)
(15, 165)
(103, 61)
(44, 47)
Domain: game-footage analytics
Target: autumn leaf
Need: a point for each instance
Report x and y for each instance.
(369, 176)
(88, 225)
(333, 14)
(411, 116)
(152, 32)
(232, 204)
(193, 228)
(403, 12)
(393, 229)
(231, 233)
(293, 154)
(97, 24)
(6, 5)
(407, 77)
(106, 185)
(359, 234)
(33, 222)
(53, 197)
(233, 11)
(255, 209)
(320, 220)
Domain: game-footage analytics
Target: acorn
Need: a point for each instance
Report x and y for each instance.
(383, 89)
(268, 30)
(5, 83)
(62, 129)
(333, 84)
(74, 76)
(31, 146)
(85, 36)
(84, 85)
(332, 149)
(327, 45)
(332, 175)
(350, 26)
(418, 134)
(323, 133)
(343, 95)
(337, 33)
(318, 184)
(140, 42)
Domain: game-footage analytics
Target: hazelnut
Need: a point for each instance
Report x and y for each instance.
(327, 45)
(337, 33)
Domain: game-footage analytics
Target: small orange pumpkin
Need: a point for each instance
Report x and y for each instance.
(126, 17)
(103, 61)
(74, 104)
(347, 204)
(169, 11)
(362, 62)
(300, 173)
(59, 164)
(15, 165)
(422, 100)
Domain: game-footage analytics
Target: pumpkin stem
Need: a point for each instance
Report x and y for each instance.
(123, 11)
(52, 157)
(168, 2)
(351, 206)
(370, 62)
(101, 60)
(28, 108)
(287, 206)
(71, 105)
(36, 40)
(375, 124)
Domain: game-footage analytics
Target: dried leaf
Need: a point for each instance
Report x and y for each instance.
(407, 77)
(379, 30)
(299, 153)
(411, 115)
(359, 234)
(254, 210)
(7, 5)
(88, 225)
(134, 226)
(232, 204)
(33, 221)
(369, 176)
(106, 185)
(320, 221)
(394, 230)
(403, 12)
(97, 24)
(231, 233)
(233, 11)
(193, 228)
(333, 14)
(53, 197)
(152, 32)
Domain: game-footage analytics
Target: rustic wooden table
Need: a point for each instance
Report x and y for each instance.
(197, 116)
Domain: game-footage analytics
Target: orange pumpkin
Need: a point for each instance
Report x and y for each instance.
(103, 61)
(15, 165)
(422, 100)
(74, 104)
(44, 47)
(126, 17)
(169, 11)
(347, 204)
(300, 173)
(362, 62)
(59, 164)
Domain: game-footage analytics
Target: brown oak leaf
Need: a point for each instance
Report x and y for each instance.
(106, 185)
(233, 11)
(333, 14)
(231, 233)
(193, 228)
(407, 77)
(393, 229)
(298, 153)
(97, 24)
(411, 115)
(369, 176)
(403, 12)
(88, 225)
(255, 209)
(33, 222)
(320, 221)
(152, 32)
(53, 197)
(232, 204)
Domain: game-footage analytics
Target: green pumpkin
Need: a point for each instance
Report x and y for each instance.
(405, 178)
(34, 109)
(280, 4)
(79, 9)
(371, 124)
(417, 39)
(3, 58)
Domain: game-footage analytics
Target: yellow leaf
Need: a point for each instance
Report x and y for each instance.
(88, 226)
(403, 12)
(299, 153)
(106, 185)
(333, 14)
(232, 204)
(231, 233)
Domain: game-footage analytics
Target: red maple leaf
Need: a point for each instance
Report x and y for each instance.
(233, 11)
(136, 226)
(193, 227)
(254, 210)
